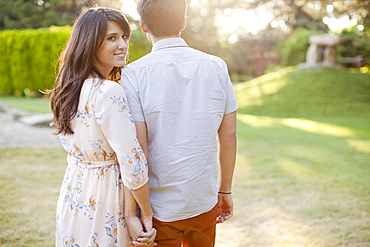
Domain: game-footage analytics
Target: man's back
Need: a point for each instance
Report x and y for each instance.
(182, 95)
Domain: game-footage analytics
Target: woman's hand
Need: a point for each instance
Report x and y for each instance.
(138, 233)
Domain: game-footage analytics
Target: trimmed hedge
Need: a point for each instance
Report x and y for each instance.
(28, 58)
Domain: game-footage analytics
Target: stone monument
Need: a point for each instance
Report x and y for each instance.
(322, 50)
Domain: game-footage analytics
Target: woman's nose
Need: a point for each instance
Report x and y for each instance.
(122, 44)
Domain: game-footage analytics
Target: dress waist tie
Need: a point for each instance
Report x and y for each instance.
(90, 164)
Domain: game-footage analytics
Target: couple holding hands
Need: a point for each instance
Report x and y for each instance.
(142, 139)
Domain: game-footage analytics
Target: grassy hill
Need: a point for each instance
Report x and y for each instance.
(303, 171)
(329, 94)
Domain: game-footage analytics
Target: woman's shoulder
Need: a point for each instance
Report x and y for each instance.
(107, 85)
(104, 87)
(112, 88)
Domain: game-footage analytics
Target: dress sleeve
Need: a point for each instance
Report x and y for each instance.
(116, 122)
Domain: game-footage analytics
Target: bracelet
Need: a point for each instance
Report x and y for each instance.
(226, 193)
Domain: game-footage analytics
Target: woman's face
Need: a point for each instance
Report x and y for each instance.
(112, 52)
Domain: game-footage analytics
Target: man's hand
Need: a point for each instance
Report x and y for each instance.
(225, 207)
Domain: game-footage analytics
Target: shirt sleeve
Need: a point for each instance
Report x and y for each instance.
(231, 105)
(116, 122)
(131, 88)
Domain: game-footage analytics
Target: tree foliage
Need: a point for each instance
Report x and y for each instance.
(296, 19)
(24, 14)
(294, 47)
(355, 43)
(310, 13)
(201, 31)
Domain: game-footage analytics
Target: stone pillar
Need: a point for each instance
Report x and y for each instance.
(313, 55)
(330, 56)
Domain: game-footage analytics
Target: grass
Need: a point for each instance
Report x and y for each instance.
(38, 105)
(303, 170)
(302, 177)
(30, 180)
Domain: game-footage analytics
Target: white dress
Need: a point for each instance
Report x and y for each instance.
(103, 154)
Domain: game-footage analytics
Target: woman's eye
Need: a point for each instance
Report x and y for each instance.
(112, 38)
(125, 37)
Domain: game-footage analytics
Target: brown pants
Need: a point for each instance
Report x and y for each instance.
(198, 231)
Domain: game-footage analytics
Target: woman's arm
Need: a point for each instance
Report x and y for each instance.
(113, 116)
(140, 229)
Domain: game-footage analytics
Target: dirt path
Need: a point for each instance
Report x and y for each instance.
(14, 133)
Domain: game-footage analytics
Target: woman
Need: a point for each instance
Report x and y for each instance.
(97, 131)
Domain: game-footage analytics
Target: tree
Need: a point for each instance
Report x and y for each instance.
(201, 31)
(23, 14)
(291, 14)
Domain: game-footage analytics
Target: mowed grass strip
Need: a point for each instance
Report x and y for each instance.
(30, 180)
(35, 105)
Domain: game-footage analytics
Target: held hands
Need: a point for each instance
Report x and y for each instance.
(139, 234)
(225, 207)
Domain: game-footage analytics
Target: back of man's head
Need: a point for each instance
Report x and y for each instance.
(162, 17)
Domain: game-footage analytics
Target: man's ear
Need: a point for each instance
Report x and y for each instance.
(183, 24)
(143, 27)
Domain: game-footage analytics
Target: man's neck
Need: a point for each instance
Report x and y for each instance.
(155, 39)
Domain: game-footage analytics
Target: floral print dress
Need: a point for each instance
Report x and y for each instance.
(103, 155)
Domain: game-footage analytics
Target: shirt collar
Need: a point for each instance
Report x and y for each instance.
(169, 43)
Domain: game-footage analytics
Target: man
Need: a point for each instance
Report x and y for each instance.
(181, 99)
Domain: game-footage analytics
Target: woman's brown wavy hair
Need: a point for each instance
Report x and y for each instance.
(76, 63)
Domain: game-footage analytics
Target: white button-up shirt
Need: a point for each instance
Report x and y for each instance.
(182, 95)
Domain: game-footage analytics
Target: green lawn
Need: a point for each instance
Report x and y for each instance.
(302, 176)
(30, 179)
(303, 171)
(38, 105)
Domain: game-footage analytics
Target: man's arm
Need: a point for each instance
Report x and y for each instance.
(227, 140)
(141, 133)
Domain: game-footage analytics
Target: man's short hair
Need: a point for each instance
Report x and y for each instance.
(162, 17)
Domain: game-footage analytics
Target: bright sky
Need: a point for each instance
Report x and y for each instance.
(239, 21)
(129, 7)
(231, 22)
(334, 23)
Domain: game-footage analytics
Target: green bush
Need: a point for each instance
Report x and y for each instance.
(294, 47)
(355, 43)
(29, 57)
(139, 45)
